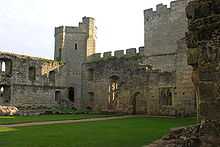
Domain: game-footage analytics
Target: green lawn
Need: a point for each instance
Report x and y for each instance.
(40, 118)
(130, 132)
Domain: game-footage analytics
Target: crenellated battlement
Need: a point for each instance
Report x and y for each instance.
(163, 10)
(118, 54)
(70, 29)
(81, 28)
(59, 29)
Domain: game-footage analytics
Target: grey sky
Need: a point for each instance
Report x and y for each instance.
(27, 26)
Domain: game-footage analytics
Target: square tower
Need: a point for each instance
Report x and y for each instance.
(72, 47)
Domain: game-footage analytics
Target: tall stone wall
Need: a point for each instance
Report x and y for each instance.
(165, 50)
(185, 92)
(164, 27)
(157, 89)
(28, 82)
(131, 83)
(203, 40)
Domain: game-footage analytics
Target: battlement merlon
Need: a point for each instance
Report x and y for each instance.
(60, 29)
(141, 50)
(107, 54)
(118, 54)
(162, 9)
(86, 20)
(87, 23)
(131, 52)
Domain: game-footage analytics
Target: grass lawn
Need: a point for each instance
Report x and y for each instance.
(40, 118)
(130, 132)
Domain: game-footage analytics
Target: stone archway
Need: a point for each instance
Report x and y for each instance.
(134, 102)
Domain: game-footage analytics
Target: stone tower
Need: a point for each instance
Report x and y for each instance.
(164, 27)
(165, 49)
(72, 47)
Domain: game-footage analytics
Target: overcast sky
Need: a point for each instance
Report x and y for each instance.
(27, 26)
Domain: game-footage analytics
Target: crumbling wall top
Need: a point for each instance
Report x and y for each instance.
(19, 56)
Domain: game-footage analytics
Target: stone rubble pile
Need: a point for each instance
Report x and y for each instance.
(206, 134)
(8, 110)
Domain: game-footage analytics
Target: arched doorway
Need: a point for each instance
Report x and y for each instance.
(71, 94)
(134, 102)
(5, 94)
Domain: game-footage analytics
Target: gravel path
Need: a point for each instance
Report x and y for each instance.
(67, 121)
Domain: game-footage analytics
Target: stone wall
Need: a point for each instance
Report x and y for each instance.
(164, 27)
(117, 54)
(185, 91)
(155, 90)
(165, 50)
(27, 81)
(203, 40)
(131, 81)
(164, 62)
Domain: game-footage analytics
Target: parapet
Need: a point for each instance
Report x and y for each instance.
(94, 57)
(59, 29)
(141, 50)
(70, 29)
(162, 9)
(119, 53)
(81, 28)
(131, 52)
(87, 19)
(107, 54)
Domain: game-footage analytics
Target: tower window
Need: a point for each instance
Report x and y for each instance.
(76, 46)
(6, 66)
(166, 96)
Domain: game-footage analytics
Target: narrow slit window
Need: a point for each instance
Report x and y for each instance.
(3, 67)
(2, 91)
(76, 46)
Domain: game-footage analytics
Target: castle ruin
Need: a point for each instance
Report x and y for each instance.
(154, 80)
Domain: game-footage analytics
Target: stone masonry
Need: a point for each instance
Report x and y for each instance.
(165, 86)
(154, 80)
(203, 42)
(27, 81)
